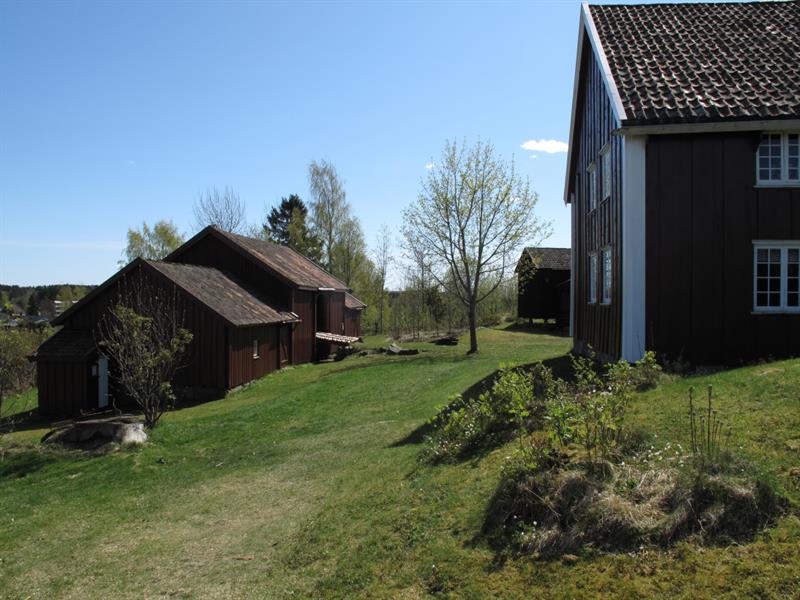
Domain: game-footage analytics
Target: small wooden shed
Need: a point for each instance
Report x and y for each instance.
(353, 307)
(543, 284)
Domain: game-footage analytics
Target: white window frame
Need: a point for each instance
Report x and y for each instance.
(607, 274)
(784, 246)
(592, 171)
(784, 181)
(605, 172)
(255, 347)
(593, 278)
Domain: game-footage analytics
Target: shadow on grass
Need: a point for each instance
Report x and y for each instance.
(24, 421)
(561, 367)
(16, 464)
(538, 328)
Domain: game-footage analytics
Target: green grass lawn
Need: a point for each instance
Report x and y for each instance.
(307, 484)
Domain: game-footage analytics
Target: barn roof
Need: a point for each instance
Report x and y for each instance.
(353, 303)
(287, 264)
(701, 62)
(67, 344)
(222, 294)
(549, 258)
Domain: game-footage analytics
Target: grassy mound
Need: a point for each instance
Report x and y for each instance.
(570, 504)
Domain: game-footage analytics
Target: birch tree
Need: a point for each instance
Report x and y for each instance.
(472, 215)
(382, 258)
(329, 206)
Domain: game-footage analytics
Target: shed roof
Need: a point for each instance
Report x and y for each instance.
(353, 303)
(66, 344)
(222, 294)
(702, 62)
(549, 258)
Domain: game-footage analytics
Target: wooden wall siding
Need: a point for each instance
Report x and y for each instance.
(352, 323)
(703, 213)
(211, 252)
(64, 387)
(540, 296)
(303, 342)
(336, 313)
(242, 367)
(597, 325)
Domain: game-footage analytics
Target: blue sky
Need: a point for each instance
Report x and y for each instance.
(116, 113)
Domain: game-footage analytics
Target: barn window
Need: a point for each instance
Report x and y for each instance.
(593, 278)
(592, 170)
(779, 159)
(776, 277)
(606, 275)
(255, 348)
(605, 166)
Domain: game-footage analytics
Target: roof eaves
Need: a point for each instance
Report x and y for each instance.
(605, 68)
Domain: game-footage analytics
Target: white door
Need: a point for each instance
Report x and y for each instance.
(102, 382)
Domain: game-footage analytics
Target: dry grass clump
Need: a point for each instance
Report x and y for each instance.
(577, 505)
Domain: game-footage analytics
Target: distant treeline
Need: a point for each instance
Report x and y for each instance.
(23, 299)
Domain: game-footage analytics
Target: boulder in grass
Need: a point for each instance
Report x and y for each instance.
(448, 340)
(396, 350)
(97, 432)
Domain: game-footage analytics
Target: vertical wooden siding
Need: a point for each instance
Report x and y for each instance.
(242, 365)
(304, 306)
(352, 323)
(703, 213)
(63, 387)
(596, 325)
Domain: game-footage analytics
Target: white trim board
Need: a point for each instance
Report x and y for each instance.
(718, 127)
(634, 152)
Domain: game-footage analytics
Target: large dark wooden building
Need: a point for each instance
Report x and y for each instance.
(252, 307)
(683, 175)
(543, 281)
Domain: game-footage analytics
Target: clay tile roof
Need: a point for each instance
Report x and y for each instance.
(67, 344)
(288, 263)
(221, 294)
(353, 303)
(550, 258)
(694, 62)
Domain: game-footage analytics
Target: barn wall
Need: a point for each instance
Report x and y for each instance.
(597, 325)
(703, 213)
(539, 296)
(242, 366)
(212, 252)
(304, 306)
(352, 322)
(64, 387)
(204, 362)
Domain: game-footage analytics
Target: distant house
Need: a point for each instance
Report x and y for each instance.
(251, 305)
(543, 280)
(683, 175)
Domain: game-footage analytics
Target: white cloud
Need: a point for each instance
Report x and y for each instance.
(548, 146)
(429, 166)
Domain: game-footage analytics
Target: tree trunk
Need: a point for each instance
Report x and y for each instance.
(473, 329)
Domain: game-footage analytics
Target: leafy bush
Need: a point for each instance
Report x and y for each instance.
(510, 405)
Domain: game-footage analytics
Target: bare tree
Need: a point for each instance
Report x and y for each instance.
(141, 334)
(223, 209)
(329, 208)
(382, 258)
(472, 215)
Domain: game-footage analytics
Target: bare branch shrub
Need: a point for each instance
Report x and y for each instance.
(142, 336)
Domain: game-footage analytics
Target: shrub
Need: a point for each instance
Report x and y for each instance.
(509, 406)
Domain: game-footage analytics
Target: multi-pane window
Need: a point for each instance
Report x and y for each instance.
(605, 167)
(592, 175)
(779, 158)
(255, 348)
(593, 278)
(776, 276)
(606, 275)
